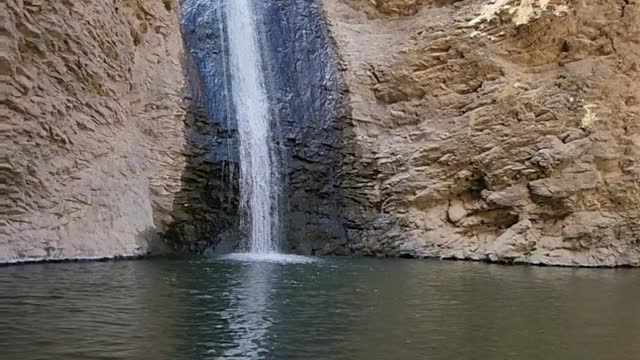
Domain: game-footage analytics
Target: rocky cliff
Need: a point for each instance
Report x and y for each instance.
(92, 126)
(504, 130)
(492, 130)
(118, 142)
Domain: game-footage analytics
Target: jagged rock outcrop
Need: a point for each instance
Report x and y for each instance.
(492, 130)
(92, 126)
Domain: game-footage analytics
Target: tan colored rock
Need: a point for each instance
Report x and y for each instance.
(456, 211)
(514, 243)
(91, 100)
(518, 121)
(513, 196)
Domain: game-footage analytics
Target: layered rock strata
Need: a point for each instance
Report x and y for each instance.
(503, 131)
(92, 126)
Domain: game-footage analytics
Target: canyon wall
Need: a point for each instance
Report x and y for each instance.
(118, 142)
(504, 131)
(92, 126)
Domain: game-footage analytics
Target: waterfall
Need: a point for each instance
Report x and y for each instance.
(258, 171)
(271, 95)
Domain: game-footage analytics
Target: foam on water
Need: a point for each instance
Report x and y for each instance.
(270, 257)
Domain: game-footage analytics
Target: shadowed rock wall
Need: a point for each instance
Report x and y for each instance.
(206, 209)
(307, 104)
(305, 99)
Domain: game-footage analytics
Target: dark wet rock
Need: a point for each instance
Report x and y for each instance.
(306, 108)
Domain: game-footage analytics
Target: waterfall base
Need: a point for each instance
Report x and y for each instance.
(270, 257)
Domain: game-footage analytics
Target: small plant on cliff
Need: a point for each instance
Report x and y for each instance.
(167, 4)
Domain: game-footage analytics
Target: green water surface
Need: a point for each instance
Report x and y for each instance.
(332, 308)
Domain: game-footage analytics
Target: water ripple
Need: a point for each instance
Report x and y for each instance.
(329, 309)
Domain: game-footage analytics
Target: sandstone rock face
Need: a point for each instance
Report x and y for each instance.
(92, 126)
(492, 130)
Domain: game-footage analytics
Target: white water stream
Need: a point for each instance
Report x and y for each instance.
(258, 188)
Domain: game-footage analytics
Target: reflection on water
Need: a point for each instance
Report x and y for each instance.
(185, 309)
(248, 313)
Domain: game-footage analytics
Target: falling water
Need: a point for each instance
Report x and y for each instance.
(257, 180)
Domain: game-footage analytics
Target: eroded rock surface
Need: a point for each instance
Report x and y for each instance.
(504, 130)
(92, 126)
(492, 130)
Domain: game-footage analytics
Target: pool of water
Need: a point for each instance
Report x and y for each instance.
(329, 308)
